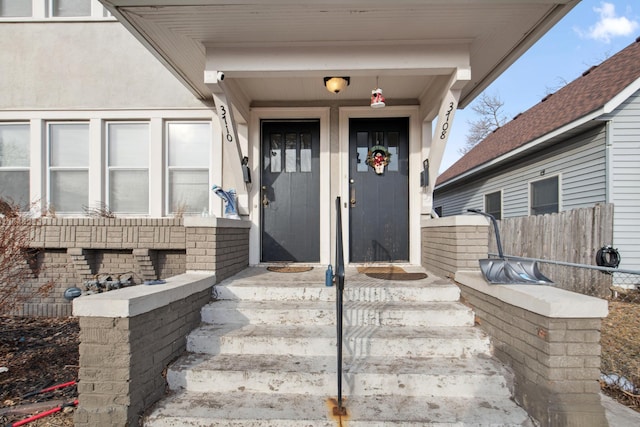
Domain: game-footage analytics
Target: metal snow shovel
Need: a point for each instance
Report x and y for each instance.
(512, 271)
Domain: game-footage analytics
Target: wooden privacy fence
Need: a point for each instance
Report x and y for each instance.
(571, 236)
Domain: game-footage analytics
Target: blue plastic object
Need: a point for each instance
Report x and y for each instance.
(230, 202)
(328, 276)
(72, 293)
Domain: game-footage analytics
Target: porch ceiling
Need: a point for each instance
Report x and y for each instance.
(189, 36)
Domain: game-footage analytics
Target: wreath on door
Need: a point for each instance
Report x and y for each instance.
(378, 157)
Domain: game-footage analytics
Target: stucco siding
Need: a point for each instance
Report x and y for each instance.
(625, 176)
(82, 65)
(580, 162)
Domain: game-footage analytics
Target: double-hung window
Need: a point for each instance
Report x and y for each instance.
(68, 166)
(68, 8)
(128, 168)
(188, 157)
(544, 196)
(493, 204)
(15, 8)
(21, 10)
(14, 163)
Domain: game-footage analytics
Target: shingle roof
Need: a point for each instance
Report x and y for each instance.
(587, 93)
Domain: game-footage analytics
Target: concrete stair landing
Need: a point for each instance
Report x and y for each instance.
(265, 355)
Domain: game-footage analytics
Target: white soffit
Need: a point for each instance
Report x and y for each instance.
(495, 32)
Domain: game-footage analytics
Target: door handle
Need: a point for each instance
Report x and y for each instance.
(352, 194)
(265, 200)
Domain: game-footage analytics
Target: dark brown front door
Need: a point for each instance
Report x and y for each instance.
(290, 192)
(379, 203)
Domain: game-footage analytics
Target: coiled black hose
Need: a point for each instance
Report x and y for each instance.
(608, 257)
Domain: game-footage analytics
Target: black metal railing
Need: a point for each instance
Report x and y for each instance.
(339, 276)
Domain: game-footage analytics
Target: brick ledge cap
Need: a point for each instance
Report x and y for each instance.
(139, 299)
(540, 299)
(454, 221)
(214, 222)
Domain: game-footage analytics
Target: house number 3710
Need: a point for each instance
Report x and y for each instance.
(445, 125)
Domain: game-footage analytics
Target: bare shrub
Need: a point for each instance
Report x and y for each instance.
(19, 262)
(180, 210)
(100, 210)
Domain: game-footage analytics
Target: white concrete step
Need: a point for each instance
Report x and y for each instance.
(265, 355)
(324, 313)
(246, 409)
(256, 286)
(320, 340)
(352, 292)
(317, 375)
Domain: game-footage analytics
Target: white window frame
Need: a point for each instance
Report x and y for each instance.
(544, 177)
(20, 168)
(108, 168)
(167, 171)
(49, 169)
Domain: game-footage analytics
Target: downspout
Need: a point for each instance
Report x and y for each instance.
(608, 158)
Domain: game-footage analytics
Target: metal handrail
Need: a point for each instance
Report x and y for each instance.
(340, 276)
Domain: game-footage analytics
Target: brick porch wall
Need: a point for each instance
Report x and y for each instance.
(129, 336)
(136, 350)
(74, 250)
(549, 337)
(555, 356)
(124, 351)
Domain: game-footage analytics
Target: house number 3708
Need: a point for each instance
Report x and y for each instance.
(445, 125)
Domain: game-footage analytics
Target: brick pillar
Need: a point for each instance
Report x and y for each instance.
(454, 243)
(216, 244)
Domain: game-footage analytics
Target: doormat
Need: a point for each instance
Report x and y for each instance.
(390, 273)
(289, 269)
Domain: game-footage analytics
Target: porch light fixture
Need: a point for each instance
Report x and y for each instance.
(336, 84)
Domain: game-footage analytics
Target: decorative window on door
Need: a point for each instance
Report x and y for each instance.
(305, 152)
(294, 152)
(276, 152)
(368, 141)
(392, 138)
(290, 153)
(362, 149)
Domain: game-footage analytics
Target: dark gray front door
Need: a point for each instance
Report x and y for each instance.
(290, 192)
(379, 203)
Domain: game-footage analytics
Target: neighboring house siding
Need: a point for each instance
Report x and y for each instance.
(625, 176)
(580, 161)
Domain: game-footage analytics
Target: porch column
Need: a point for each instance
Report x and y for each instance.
(435, 144)
(232, 150)
(446, 114)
